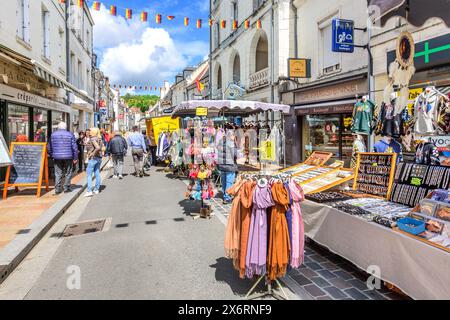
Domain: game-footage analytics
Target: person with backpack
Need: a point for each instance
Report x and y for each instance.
(94, 155)
(117, 149)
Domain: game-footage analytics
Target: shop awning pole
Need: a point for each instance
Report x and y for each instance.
(283, 136)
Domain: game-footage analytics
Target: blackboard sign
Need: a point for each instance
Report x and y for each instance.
(29, 165)
(27, 162)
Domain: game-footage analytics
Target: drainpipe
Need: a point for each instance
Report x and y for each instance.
(294, 8)
(68, 70)
(210, 53)
(272, 38)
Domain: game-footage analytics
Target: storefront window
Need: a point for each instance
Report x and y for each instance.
(328, 133)
(40, 125)
(57, 117)
(18, 123)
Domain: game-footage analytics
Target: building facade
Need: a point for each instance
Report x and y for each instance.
(46, 68)
(322, 105)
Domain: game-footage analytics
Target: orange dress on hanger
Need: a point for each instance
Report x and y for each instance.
(246, 210)
(233, 231)
(279, 246)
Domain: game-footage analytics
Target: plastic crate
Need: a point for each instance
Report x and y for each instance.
(411, 225)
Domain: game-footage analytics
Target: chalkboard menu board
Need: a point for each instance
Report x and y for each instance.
(27, 162)
(29, 165)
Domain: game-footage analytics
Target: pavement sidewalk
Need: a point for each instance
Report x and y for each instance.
(24, 219)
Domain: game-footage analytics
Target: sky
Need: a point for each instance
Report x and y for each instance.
(138, 53)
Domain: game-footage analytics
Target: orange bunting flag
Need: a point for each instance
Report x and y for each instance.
(170, 18)
(146, 88)
(80, 3)
(235, 24)
(211, 22)
(128, 13)
(62, 1)
(223, 24)
(96, 6)
(186, 21)
(113, 10)
(258, 24)
(247, 24)
(158, 18)
(144, 16)
(199, 23)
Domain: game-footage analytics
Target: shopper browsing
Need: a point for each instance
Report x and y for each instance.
(138, 150)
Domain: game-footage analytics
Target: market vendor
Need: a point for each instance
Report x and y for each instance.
(227, 162)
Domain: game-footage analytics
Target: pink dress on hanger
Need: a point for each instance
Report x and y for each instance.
(298, 230)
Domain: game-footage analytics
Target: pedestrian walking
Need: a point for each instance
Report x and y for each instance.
(117, 149)
(153, 148)
(147, 160)
(138, 150)
(63, 150)
(227, 163)
(81, 146)
(94, 155)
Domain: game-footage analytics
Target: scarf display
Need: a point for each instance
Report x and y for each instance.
(298, 232)
(279, 246)
(256, 258)
(265, 232)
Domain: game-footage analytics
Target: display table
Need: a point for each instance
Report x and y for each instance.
(418, 269)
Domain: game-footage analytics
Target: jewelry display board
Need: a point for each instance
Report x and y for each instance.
(327, 180)
(414, 181)
(318, 158)
(297, 169)
(375, 173)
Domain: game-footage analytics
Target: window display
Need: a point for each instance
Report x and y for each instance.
(40, 120)
(328, 133)
(18, 123)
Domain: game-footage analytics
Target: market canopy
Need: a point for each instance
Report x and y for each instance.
(416, 12)
(227, 107)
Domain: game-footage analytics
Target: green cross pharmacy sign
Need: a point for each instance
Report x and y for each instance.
(431, 53)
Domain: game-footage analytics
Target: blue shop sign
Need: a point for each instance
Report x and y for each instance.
(343, 36)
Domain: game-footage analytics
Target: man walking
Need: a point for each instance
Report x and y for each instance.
(117, 149)
(138, 150)
(63, 150)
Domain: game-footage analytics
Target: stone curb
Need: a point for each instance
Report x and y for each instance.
(22, 244)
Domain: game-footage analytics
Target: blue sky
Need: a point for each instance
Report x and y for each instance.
(132, 52)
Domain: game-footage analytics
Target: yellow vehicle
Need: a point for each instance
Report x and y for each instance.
(156, 125)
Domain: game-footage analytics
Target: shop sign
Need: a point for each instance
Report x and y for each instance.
(23, 97)
(299, 68)
(428, 54)
(201, 112)
(302, 111)
(332, 92)
(343, 36)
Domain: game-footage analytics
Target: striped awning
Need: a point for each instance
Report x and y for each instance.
(49, 77)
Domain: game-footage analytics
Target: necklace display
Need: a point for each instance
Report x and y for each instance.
(374, 174)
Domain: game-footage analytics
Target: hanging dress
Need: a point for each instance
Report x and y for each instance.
(289, 214)
(279, 247)
(298, 231)
(246, 195)
(233, 231)
(256, 258)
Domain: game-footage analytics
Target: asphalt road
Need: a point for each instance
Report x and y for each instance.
(152, 249)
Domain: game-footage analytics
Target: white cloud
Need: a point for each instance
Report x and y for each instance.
(132, 53)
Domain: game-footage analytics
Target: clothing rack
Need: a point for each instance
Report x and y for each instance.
(269, 287)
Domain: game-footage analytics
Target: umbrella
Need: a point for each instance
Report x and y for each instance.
(417, 12)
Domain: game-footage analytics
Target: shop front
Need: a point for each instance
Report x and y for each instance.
(323, 116)
(28, 117)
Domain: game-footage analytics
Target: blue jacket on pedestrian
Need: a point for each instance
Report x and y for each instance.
(63, 146)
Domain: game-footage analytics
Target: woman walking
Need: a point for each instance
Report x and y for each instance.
(94, 155)
(81, 146)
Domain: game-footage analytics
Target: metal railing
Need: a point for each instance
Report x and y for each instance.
(259, 79)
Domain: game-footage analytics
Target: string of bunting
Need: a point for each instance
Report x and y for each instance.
(134, 87)
(96, 5)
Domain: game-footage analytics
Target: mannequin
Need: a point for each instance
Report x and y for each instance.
(387, 144)
(359, 145)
